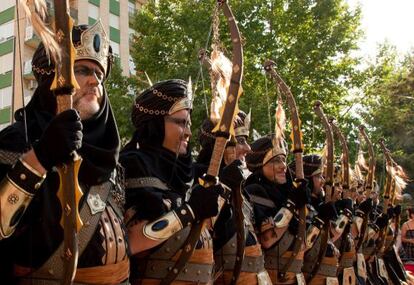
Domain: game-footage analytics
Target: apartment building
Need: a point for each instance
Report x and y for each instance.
(114, 14)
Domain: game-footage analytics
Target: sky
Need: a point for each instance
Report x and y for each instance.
(391, 20)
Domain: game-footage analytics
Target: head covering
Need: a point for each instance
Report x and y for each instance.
(312, 165)
(91, 42)
(207, 139)
(153, 104)
(263, 150)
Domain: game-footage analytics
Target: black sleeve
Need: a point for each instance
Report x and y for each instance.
(260, 211)
(147, 202)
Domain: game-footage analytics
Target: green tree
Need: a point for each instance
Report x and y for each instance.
(389, 108)
(120, 92)
(311, 42)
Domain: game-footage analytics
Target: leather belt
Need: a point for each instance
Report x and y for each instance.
(253, 264)
(105, 274)
(193, 272)
(56, 282)
(274, 263)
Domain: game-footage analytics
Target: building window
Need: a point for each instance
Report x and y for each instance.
(93, 11)
(6, 79)
(5, 105)
(114, 21)
(131, 8)
(95, 2)
(6, 61)
(5, 97)
(7, 15)
(6, 31)
(5, 116)
(6, 47)
(115, 48)
(114, 7)
(114, 35)
(91, 21)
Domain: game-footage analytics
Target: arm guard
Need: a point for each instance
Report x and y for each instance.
(358, 219)
(17, 190)
(313, 231)
(284, 215)
(169, 224)
(342, 221)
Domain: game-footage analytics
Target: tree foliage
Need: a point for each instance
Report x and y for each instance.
(311, 42)
(120, 92)
(388, 102)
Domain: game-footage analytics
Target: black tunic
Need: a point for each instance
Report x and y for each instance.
(39, 232)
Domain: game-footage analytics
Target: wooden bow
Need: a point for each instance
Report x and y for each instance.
(345, 156)
(330, 148)
(297, 149)
(69, 192)
(369, 181)
(59, 47)
(222, 131)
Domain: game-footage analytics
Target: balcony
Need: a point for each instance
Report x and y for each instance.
(30, 38)
(27, 71)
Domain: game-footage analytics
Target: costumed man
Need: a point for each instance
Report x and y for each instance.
(31, 237)
(236, 148)
(233, 173)
(158, 176)
(342, 229)
(377, 222)
(362, 208)
(321, 258)
(275, 200)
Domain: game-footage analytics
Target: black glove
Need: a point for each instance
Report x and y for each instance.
(390, 212)
(62, 136)
(299, 194)
(345, 206)
(366, 206)
(327, 212)
(232, 174)
(397, 210)
(204, 201)
(382, 221)
(348, 204)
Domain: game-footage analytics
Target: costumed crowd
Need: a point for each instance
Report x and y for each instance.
(238, 213)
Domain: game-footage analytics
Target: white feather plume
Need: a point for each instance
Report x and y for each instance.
(36, 11)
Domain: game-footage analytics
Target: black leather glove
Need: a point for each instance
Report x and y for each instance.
(327, 212)
(62, 136)
(299, 194)
(346, 204)
(366, 206)
(204, 201)
(390, 212)
(382, 221)
(397, 210)
(232, 175)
